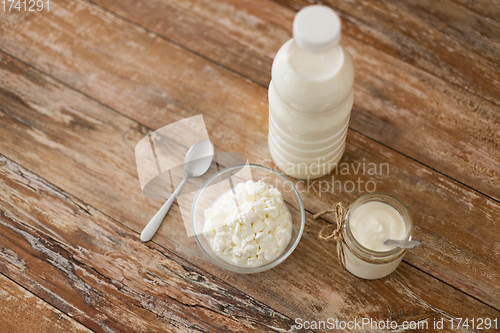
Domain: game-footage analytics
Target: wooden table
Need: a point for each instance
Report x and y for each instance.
(83, 82)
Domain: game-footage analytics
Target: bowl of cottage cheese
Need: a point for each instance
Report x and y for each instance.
(248, 218)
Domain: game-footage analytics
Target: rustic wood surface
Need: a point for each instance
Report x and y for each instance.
(18, 306)
(82, 83)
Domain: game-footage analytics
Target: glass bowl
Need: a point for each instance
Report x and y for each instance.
(219, 183)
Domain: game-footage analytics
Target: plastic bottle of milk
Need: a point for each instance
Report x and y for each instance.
(310, 96)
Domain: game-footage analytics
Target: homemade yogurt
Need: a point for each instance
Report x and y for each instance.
(371, 220)
(249, 227)
(374, 222)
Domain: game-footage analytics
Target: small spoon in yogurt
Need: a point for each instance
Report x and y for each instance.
(403, 243)
(196, 162)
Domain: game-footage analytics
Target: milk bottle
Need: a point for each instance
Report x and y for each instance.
(310, 96)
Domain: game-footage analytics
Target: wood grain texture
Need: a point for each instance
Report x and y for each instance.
(488, 8)
(98, 272)
(93, 147)
(452, 131)
(442, 37)
(234, 101)
(87, 150)
(23, 312)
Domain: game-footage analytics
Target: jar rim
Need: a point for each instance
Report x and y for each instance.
(363, 251)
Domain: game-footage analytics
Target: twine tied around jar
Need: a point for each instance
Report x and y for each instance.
(337, 234)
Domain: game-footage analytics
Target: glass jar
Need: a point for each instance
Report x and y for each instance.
(366, 263)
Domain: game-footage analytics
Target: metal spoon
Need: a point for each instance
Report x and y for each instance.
(405, 244)
(197, 161)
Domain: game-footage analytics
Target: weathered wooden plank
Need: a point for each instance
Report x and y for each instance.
(485, 8)
(451, 131)
(443, 37)
(100, 273)
(43, 122)
(448, 216)
(488, 8)
(23, 312)
(228, 32)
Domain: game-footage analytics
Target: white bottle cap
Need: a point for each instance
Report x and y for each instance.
(316, 29)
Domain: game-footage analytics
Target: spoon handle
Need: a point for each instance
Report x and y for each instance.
(150, 230)
(406, 244)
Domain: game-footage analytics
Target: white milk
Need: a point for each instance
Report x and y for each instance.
(310, 96)
(370, 224)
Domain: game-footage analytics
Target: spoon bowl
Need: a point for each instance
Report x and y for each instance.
(198, 158)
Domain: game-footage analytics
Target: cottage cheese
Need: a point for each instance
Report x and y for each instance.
(251, 228)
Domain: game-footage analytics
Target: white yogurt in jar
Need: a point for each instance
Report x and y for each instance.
(250, 227)
(370, 223)
(374, 222)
